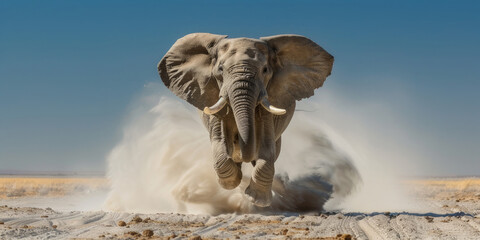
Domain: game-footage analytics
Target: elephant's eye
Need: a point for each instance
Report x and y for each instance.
(265, 69)
(220, 68)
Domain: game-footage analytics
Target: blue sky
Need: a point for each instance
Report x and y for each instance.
(70, 69)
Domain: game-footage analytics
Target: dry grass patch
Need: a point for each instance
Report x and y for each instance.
(459, 184)
(14, 187)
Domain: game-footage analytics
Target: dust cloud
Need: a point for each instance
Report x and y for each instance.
(164, 164)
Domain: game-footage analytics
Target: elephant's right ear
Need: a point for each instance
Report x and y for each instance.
(186, 69)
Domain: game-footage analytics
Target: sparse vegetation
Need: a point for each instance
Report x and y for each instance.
(15, 187)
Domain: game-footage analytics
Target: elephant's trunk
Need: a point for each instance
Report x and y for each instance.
(243, 96)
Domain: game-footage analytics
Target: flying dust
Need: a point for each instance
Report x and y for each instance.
(164, 164)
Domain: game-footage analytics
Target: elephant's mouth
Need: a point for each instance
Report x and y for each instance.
(222, 102)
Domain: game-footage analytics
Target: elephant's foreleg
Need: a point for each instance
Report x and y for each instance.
(260, 188)
(229, 173)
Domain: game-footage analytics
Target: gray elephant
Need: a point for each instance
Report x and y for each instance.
(246, 89)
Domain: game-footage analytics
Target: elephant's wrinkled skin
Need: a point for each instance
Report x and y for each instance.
(233, 81)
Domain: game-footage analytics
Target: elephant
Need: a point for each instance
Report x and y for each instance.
(246, 91)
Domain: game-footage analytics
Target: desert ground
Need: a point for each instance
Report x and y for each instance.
(70, 208)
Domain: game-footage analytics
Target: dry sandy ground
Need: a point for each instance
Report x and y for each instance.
(50, 208)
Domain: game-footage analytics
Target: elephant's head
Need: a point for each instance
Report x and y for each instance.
(211, 71)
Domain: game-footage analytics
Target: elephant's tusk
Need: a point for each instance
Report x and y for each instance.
(272, 109)
(216, 107)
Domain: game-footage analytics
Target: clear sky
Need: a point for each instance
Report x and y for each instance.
(70, 69)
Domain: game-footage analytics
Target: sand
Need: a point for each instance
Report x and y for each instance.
(72, 210)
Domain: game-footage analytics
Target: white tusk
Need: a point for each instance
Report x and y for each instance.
(272, 109)
(216, 107)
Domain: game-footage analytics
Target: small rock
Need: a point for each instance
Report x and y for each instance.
(101, 236)
(133, 233)
(284, 231)
(1, 223)
(121, 224)
(429, 219)
(44, 216)
(344, 236)
(147, 233)
(49, 209)
(137, 219)
(196, 237)
(25, 226)
(54, 226)
(146, 220)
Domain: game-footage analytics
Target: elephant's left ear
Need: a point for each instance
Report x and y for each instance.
(300, 67)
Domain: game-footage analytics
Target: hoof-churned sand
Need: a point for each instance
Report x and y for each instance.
(453, 213)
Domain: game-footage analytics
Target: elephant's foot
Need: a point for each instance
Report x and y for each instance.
(259, 195)
(229, 175)
(232, 181)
